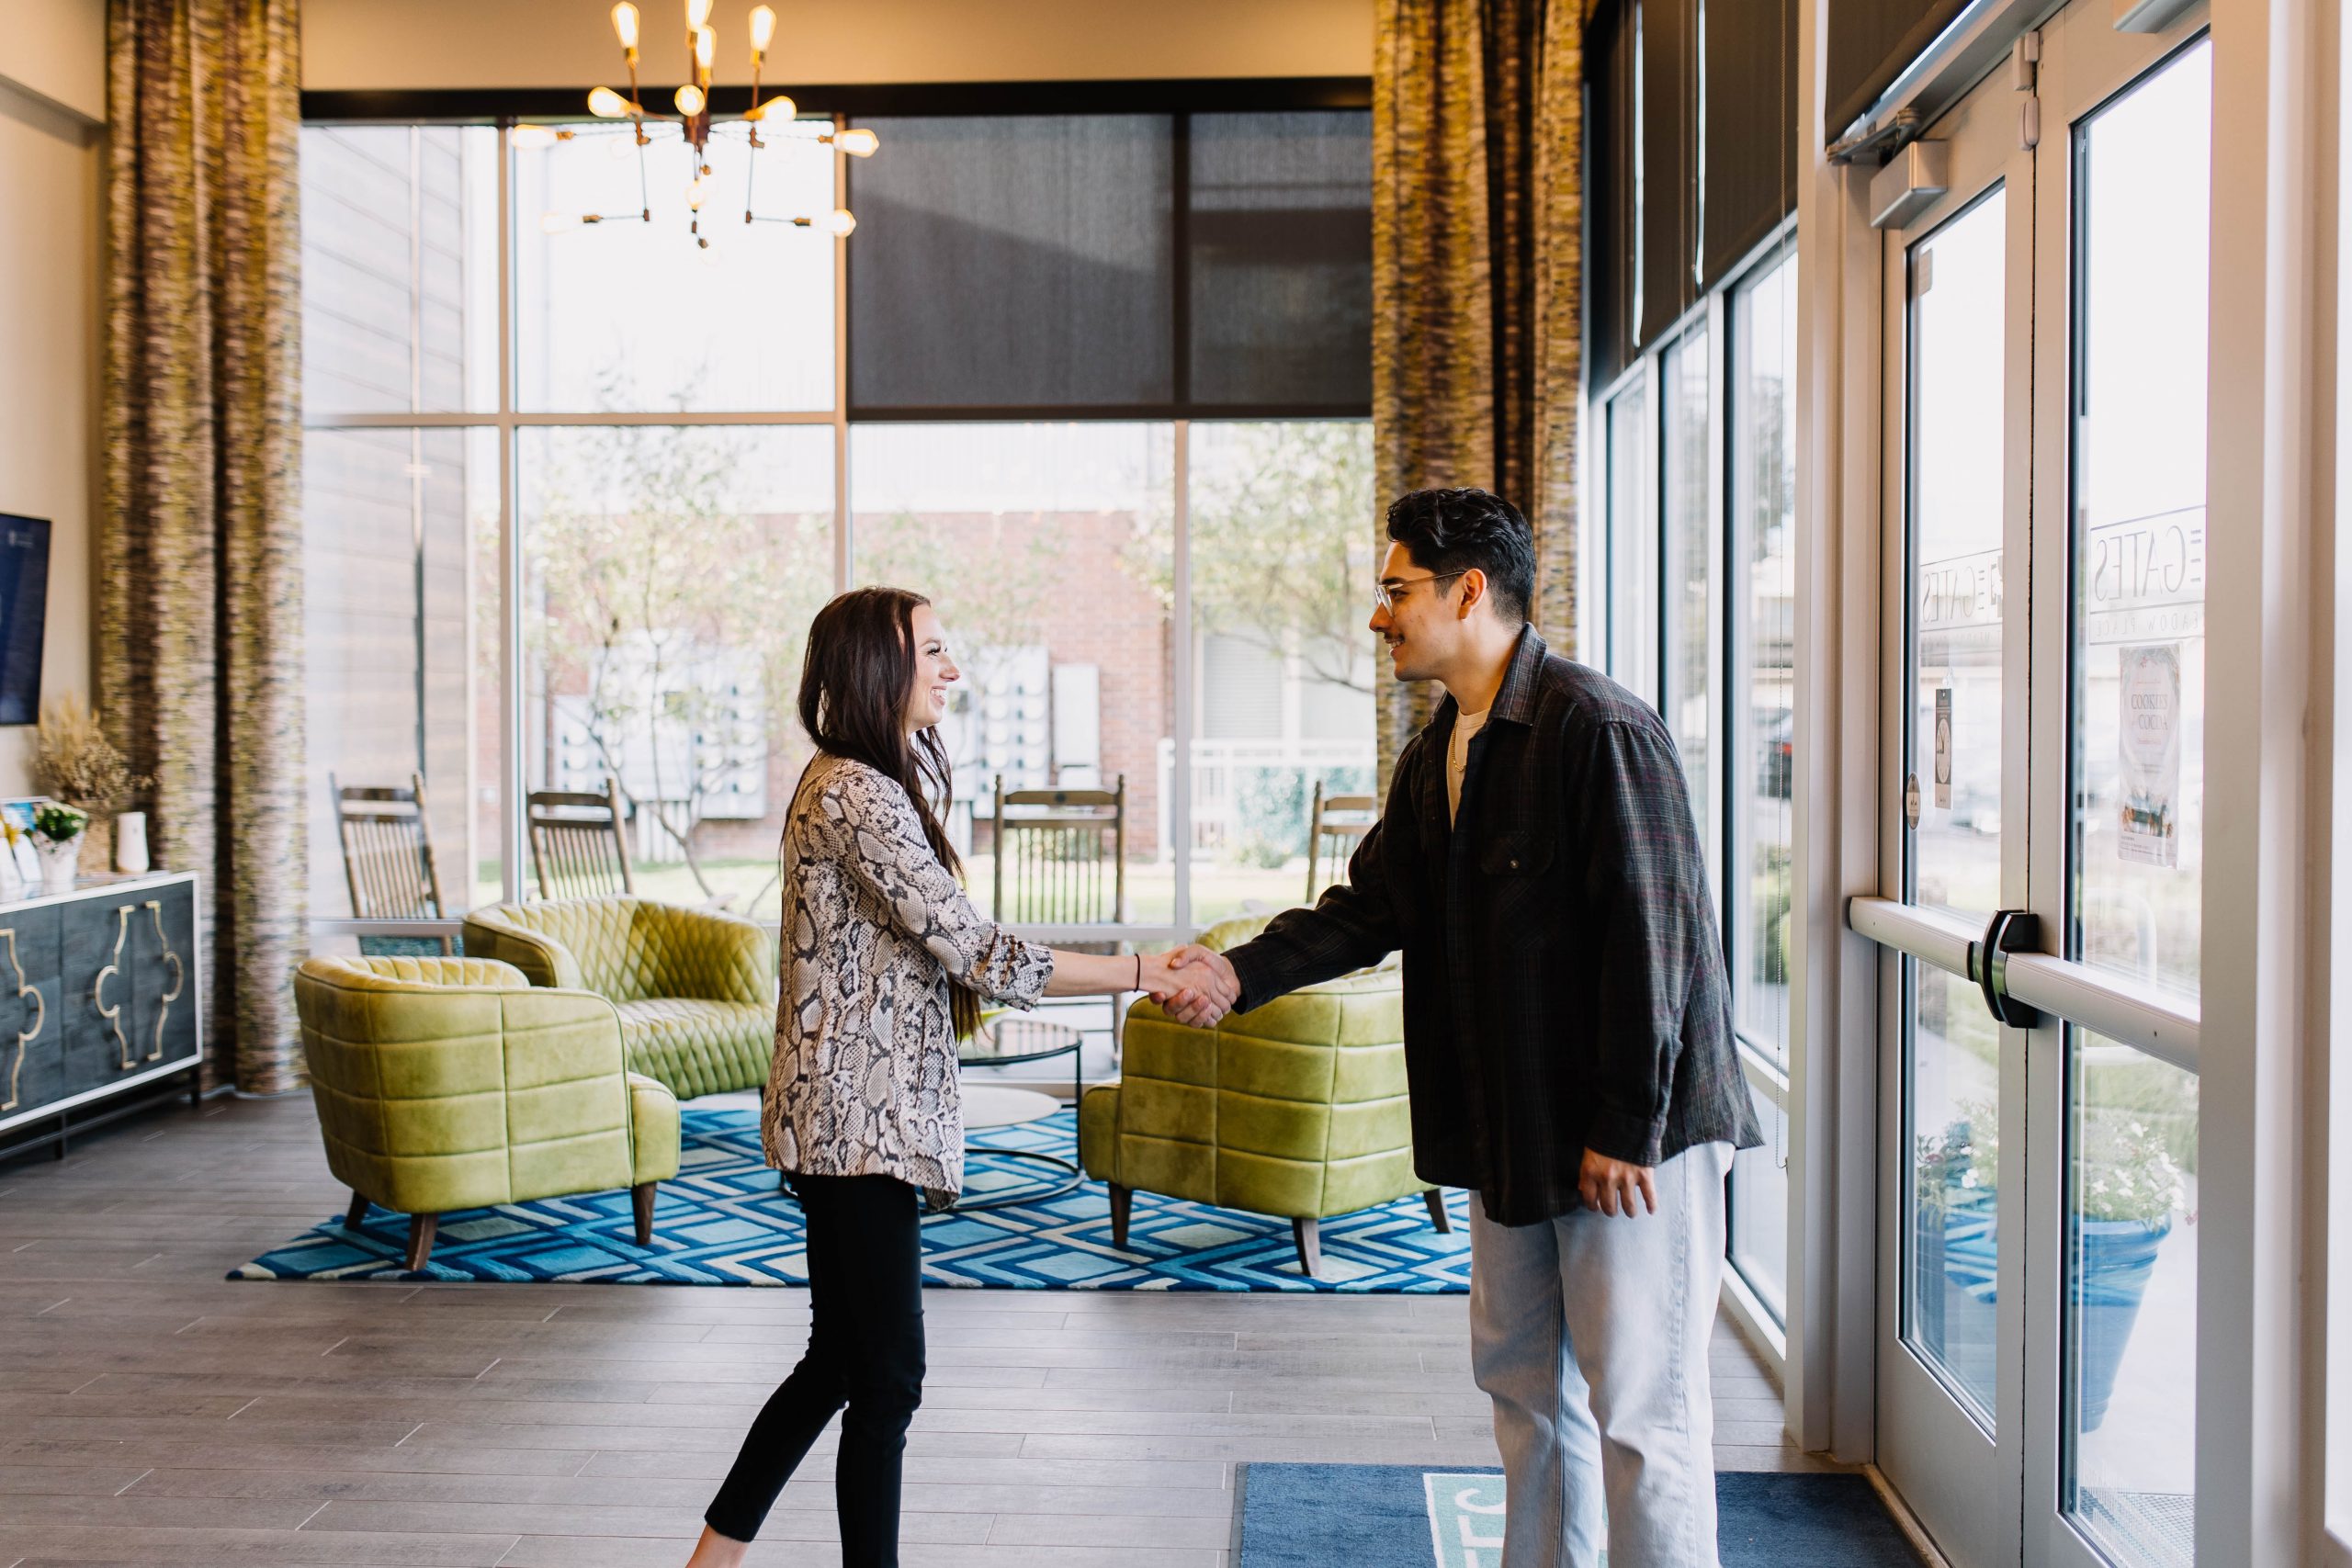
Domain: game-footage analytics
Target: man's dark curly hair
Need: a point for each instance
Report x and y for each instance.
(1456, 530)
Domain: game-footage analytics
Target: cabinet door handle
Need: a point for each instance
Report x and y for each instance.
(24, 1036)
(113, 1015)
(179, 977)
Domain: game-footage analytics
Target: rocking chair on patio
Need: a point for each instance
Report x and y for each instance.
(580, 843)
(387, 863)
(1340, 821)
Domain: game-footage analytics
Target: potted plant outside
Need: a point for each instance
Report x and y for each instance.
(1957, 1208)
(2127, 1186)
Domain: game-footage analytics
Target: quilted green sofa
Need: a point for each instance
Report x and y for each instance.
(1297, 1109)
(694, 989)
(454, 1083)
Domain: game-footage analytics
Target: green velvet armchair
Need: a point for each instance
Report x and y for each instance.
(1296, 1110)
(694, 989)
(453, 1083)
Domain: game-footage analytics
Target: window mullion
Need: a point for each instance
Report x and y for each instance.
(511, 670)
(1180, 773)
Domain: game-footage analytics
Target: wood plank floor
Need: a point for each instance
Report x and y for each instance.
(154, 1413)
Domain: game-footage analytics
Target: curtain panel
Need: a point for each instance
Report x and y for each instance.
(1477, 214)
(200, 592)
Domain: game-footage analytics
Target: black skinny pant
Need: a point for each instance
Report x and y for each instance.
(865, 1350)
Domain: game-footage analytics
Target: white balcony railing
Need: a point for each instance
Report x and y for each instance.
(1222, 768)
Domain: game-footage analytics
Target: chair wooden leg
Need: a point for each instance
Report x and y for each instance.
(420, 1239)
(1435, 1199)
(357, 1212)
(642, 1198)
(1308, 1236)
(1122, 1205)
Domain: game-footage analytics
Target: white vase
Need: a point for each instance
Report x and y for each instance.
(130, 842)
(58, 864)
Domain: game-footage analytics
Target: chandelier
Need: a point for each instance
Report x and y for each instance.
(697, 126)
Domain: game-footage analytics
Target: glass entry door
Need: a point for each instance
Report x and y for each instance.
(2042, 827)
(1958, 349)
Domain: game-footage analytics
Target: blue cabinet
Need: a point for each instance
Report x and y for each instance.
(98, 996)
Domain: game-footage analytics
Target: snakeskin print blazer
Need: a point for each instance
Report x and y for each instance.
(864, 1082)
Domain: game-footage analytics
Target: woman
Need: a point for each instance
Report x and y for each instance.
(884, 966)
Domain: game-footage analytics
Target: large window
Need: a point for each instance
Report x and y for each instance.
(1759, 780)
(669, 573)
(1695, 562)
(1690, 501)
(401, 503)
(1097, 384)
(1046, 548)
(2138, 663)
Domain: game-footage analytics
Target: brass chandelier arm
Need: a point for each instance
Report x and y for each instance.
(697, 118)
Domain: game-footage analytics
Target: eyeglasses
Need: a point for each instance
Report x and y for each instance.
(1385, 595)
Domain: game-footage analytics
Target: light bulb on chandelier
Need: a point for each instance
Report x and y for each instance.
(698, 117)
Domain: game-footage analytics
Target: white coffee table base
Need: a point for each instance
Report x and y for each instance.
(994, 1105)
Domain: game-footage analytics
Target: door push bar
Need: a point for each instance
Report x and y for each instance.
(2009, 931)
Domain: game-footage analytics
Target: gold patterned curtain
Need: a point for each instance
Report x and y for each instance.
(1477, 209)
(199, 616)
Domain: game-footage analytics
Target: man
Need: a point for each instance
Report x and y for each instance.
(1567, 1039)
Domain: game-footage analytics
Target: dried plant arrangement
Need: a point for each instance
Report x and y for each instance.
(79, 765)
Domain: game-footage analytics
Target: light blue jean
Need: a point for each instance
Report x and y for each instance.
(1590, 1334)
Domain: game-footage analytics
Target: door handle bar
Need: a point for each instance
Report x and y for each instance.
(2160, 1023)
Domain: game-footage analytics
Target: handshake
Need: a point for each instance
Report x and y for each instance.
(1197, 985)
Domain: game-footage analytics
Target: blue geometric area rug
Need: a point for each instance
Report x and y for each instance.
(1405, 1516)
(724, 1222)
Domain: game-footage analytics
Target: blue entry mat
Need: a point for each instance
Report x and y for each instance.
(1409, 1516)
(723, 1222)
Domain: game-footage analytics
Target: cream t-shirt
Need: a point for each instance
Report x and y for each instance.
(1457, 758)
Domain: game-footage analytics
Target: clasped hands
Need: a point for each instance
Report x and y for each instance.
(1197, 985)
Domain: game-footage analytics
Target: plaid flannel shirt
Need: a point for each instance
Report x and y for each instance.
(1564, 976)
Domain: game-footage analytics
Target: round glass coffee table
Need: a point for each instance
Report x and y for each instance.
(1005, 1042)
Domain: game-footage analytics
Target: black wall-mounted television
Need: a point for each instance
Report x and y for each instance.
(24, 615)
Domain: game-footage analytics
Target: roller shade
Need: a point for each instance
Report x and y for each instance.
(1669, 193)
(1278, 231)
(1690, 159)
(1609, 197)
(1150, 266)
(1015, 263)
(1751, 129)
(1870, 42)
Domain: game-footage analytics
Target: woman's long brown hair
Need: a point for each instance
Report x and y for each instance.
(853, 690)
